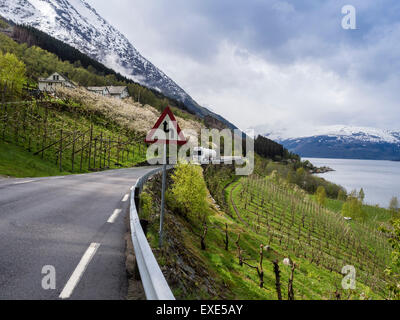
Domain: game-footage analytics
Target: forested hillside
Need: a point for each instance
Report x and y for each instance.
(270, 149)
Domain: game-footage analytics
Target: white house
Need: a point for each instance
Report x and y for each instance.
(111, 91)
(118, 92)
(99, 90)
(53, 82)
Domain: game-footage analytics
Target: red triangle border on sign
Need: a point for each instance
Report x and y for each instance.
(181, 138)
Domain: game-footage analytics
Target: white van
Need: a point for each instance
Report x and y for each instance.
(204, 156)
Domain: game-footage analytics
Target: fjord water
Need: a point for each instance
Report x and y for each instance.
(380, 179)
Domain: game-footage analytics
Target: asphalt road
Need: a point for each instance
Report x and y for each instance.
(71, 223)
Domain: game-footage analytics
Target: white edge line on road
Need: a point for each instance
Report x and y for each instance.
(114, 216)
(23, 182)
(125, 198)
(79, 270)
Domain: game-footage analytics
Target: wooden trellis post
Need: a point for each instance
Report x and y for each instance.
(16, 127)
(118, 146)
(61, 150)
(94, 153)
(73, 149)
(5, 121)
(105, 152)
(101, 150)
(45, 133)
(83, 147)
(2, 104)
(122, 152)
(90, 145)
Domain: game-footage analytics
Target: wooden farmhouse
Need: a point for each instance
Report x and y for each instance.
(56, 80)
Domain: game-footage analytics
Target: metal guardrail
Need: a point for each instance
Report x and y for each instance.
(153, 280)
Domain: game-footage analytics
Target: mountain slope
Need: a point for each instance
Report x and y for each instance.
(78, 24)
(345, 142)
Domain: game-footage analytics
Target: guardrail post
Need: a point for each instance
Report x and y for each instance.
(144, 224)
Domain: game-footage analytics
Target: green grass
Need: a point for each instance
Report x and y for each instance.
(332, 243)
(32, 126)
(319, 282)
(19, 163)
(375, 215)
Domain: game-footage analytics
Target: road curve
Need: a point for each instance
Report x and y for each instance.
(73, 223)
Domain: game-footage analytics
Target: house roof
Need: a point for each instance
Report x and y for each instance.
(116, 90)
(97, 88)
(49, 79)
(60, 74)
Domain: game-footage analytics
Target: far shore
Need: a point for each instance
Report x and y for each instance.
(323, 169)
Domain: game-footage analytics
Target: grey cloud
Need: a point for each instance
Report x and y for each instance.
(354, 74)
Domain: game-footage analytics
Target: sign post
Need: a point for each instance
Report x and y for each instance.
(165, 131)
(164, 178)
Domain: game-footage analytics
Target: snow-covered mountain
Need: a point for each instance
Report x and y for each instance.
(75, 22)
(343, 142)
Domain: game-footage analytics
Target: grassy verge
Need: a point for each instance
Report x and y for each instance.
(17, 162)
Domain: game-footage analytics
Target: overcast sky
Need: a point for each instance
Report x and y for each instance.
(277, 64)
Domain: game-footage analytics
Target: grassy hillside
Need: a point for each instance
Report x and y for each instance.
(68, 136)
(288, 223)
(17, 162)
(74, 130)
(299, 227)
(86, 131)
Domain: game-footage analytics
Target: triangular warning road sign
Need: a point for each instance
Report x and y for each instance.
(166, 130)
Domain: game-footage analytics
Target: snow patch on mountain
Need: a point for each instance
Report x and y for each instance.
(342, 142)
(78, 24)
(350, 133)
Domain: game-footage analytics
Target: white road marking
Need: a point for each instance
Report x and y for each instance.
(114, 216)
(23, 182)
(55, 178)
(125, 198)
(79, 270)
